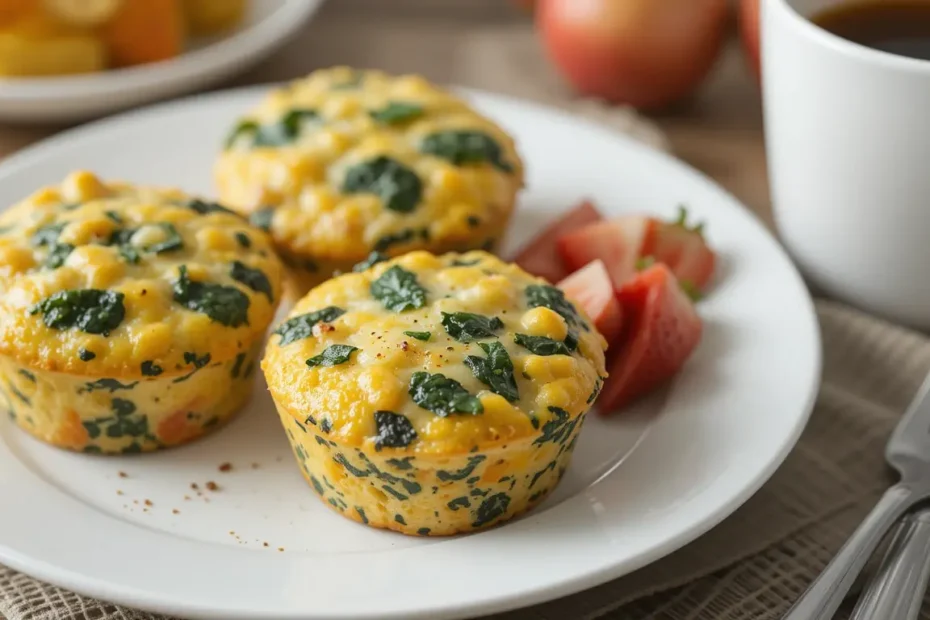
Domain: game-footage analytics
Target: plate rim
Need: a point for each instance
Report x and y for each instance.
(525, 597)
(228, 52)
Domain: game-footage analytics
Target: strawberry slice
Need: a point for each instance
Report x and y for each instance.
(661, 332)
(683, 248)
(591, 288)
(539, 257)
(617, 242)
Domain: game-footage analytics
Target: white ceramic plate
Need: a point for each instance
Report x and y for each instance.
(267, 25)
(642, 484)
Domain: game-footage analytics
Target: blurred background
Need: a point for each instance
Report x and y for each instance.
(707, 113)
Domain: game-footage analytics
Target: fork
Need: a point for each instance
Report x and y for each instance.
(908, 451)
(896, 590)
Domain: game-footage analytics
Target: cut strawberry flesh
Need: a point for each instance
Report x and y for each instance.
(591, 288)
(617, 242)
(540, 258)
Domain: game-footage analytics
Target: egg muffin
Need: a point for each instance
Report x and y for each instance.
(344, 163)
(131, 318)
(434, 394)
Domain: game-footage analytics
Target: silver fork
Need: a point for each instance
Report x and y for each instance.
(908, 451)
(896, 590)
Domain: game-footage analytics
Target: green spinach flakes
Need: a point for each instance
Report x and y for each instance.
(465, 147)
(57, 255)
(300, 327)
(397, 113)
(394, 430)
(204, 207)
(262, 218)
(395, 184)
(93, 311)
(491, 509)
(333, 355)
(151, 369)
(286, 130)
(442, 395)
(255, 279)
(468, 327)
(495, 371)
(373, 259)
(424, 336)
(542, 295)
(407, 235)
(398, 290)
(223, 304)
(540, 345)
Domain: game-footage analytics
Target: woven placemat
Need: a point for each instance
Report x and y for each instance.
(760, 559)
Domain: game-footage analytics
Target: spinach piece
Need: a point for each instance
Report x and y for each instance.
(237, 366)
(459, 502)
(85, 356)
(400, 519)
(301, 326)
(540, 345)
(441, 395)
(93, 311)
(495, 371)
(424, 336)
(394, 430)
(57, 255)
(333, 355)
(349, 467)
(465, 147)
(468, 327)
(255, 279)
(399, 238)
(491, 509)
(558, 429)
(361, 514)
(262, 218)
(114, 217)
(123, 423)
(397, 113)
(47, 235)
(171, 242)
(458, 262)
(325, 425)
(27, 374)
(398, 290)
(19, 395)
(197, 362)
(285, 131)
(401, 464)
(550, 297)
(110, 385)
(473, 221)
(244, 241)
(598, 384)
(373, 259)
(423, 531)
(461, 474)
(395, 184)
(151, 369)
(223, 304)
(204, 207)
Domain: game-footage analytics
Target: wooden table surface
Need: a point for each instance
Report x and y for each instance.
(718, 131)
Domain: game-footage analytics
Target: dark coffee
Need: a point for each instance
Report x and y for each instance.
(900, 27)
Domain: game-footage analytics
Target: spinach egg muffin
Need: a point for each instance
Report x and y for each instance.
(346, 162)
(434, 394)
(131, 318)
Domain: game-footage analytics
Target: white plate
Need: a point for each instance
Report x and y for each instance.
(267, 25)
(702, 446)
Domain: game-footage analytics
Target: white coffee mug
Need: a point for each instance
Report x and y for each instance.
(848, 139)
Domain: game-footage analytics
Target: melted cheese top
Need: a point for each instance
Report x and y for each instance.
(462, 205)
(126, 246)
(343, 398)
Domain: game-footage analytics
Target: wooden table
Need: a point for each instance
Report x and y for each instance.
(719, 131)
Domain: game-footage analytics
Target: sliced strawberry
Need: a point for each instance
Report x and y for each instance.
(540, 258)
(617, 242)
(682, 247)
(592, 289)
(661, 331)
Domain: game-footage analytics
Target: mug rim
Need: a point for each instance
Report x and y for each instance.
(837, 43)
